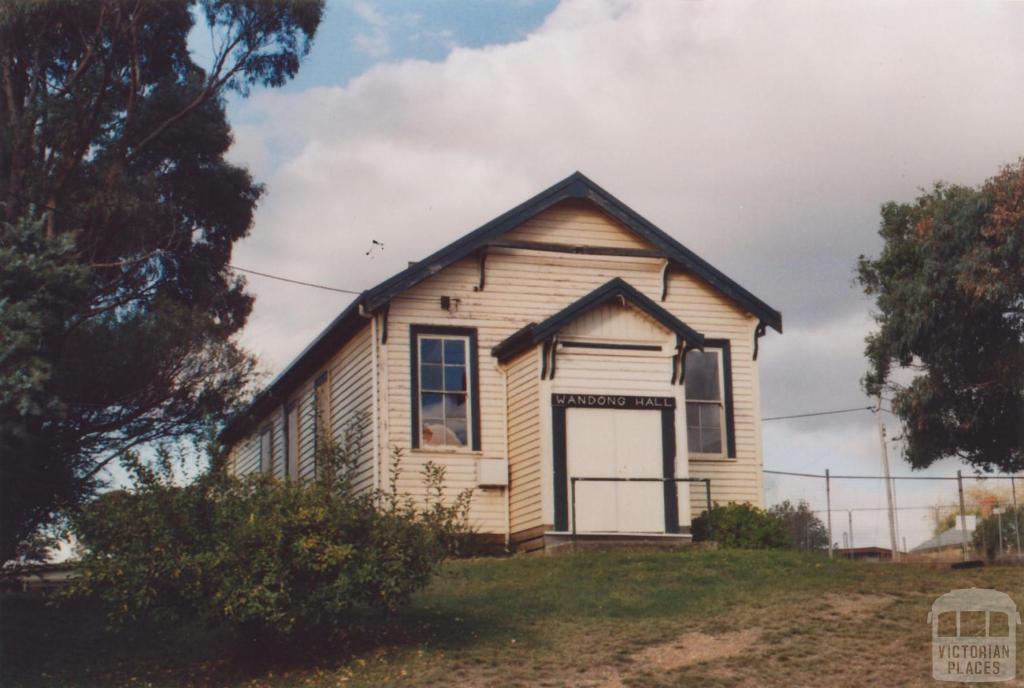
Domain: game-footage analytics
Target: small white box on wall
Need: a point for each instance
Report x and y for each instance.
(492, 473)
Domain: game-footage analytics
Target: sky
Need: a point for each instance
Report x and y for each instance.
(763, 136)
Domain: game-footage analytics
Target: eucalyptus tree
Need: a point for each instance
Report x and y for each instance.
(118, 213)
(949, 295)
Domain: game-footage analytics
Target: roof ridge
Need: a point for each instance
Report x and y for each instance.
(576, 185)
(580, 186)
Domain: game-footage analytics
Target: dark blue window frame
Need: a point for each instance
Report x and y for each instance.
(473, 364)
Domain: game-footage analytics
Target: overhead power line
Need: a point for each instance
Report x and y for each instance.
(821, 413)
(339, 290)
(295, 281)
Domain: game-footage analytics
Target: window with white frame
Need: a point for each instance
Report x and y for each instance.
(705, 407)
(444, 398)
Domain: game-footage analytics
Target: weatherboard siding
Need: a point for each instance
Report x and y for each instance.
(575, 223)
(523, 286)
(347, 411)
(611, 323)
(350, 389)
(245, 455)
(526, 508)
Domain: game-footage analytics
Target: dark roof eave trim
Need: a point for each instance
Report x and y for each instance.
(534, 333)
(349, 323)
(577, 186)
(684, 256)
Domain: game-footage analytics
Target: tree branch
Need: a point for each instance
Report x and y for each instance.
(90, 50)
(214, 83)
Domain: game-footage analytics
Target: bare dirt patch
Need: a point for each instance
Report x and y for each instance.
(857, 604)
(694, 648)
(602, 677)
(686, 650)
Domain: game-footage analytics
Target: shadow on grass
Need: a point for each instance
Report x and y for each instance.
(49, 641)
(519, 618)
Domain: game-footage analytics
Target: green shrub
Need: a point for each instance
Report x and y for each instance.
(986, 538)
(804, 530)
(741, 526)
(263, 557)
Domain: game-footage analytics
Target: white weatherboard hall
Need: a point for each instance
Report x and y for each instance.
(568, 338)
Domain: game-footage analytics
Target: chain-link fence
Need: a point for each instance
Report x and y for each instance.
(933, 518)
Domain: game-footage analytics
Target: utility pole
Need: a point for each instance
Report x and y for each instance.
(963, 512)
(888, 479)
(849, 516)
(896, 510)
(828, 503)
(1016, 516)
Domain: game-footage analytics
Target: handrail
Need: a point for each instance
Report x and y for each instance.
(584, 479)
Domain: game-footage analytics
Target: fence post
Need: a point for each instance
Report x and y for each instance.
(1016, 515)
(828, 505)
(1000, 520)
(707, 492)
(963, 512)
(572, 489)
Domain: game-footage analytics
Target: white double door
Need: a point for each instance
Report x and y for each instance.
(619, 443)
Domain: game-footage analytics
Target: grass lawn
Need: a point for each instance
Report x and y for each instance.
(618, 618)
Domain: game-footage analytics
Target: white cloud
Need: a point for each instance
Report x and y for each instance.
(375, 41)
(764, 136)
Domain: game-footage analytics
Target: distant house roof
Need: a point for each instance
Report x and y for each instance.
(575, 186)
(954, 537)
(534, 333)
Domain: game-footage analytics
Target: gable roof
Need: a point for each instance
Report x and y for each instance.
(575, 186)
(578, 186)
(535, 333)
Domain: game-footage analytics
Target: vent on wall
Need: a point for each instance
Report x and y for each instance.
(492, 473)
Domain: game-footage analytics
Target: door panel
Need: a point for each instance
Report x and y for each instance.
(623, 444)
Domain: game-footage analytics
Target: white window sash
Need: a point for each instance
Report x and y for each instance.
(469, 391)
(719, 402)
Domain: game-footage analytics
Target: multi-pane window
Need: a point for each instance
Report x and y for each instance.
(266, 450)
(291, 445)
(705, 410)
(320, 410)
(443, 391)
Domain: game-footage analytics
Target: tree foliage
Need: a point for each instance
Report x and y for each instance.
(949, 292)
(119, 213)
(997, 531)
(803, 528)
(265, 559)
(976, 497)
